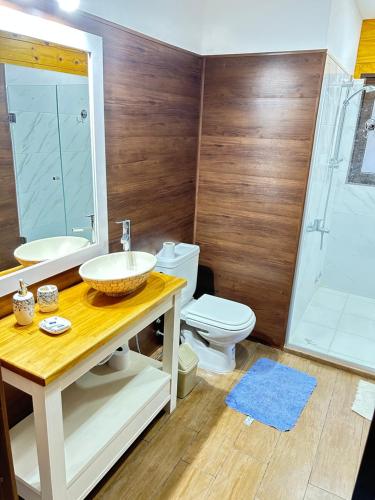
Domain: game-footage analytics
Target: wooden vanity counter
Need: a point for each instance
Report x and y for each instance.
(95, 318)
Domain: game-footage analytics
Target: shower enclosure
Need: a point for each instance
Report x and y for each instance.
(332, 312)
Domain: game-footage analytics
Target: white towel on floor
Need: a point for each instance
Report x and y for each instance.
(364, 403)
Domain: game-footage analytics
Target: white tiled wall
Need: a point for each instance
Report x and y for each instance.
(75, 155)
(311, 256)
(350, 261)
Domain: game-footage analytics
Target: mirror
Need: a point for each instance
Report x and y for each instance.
(48, 115)
(53, 206)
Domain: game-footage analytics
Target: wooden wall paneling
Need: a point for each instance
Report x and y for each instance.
(8, 489)
(259, 115)
(152, 115)
(8, 204)
(27, 51)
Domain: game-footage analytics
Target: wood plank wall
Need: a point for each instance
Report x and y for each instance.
(152, 102)
(259, 115)
(8, 205)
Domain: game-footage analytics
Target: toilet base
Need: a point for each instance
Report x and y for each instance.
(213, 358)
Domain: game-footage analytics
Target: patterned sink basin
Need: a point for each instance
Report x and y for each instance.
(118, 273)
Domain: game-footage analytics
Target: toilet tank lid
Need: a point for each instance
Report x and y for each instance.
(182, 252)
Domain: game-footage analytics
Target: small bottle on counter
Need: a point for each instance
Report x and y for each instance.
(23, 305)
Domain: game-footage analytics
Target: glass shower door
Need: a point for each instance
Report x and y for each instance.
(332, 312)
(36, 151)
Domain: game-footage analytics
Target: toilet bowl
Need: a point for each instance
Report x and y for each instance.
(211, 325)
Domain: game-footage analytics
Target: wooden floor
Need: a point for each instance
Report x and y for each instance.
(205, 451)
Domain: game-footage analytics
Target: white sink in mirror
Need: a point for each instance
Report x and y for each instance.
(48, 248)
(117, 274)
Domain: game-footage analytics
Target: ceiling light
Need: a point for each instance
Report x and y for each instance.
(69, 5)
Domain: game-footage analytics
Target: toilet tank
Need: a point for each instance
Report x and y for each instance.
(180, 260)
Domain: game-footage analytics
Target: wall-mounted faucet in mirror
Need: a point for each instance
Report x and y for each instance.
(52, 176)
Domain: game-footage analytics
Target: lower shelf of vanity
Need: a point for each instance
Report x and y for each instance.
(104, 411)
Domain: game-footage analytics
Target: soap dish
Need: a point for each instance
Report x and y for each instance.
(55, 325)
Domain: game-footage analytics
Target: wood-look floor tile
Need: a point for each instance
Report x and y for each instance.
(213, 443)
(186, 482)
(290, 466)
(238, 478)
(337, 459)
(196, 409)
(148, 470)
(204, 450)
(315, 493)
(118, 479)
(154, 428)
(163, 454)
(244, 353)
(257, 440)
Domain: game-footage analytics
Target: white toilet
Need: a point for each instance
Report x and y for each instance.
(211, 325)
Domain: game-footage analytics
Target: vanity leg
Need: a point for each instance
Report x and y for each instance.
(49, 433)
(170, 348)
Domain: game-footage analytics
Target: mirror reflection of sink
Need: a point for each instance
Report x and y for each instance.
(37, 251)
(117, 274)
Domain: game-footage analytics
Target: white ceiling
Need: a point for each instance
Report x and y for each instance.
(367, 8)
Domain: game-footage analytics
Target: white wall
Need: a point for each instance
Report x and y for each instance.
(264, 26)
(367, 8)
(343, 32)
(242, 26)
(178, 22)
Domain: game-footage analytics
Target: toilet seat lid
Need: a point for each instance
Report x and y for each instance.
(224, 313)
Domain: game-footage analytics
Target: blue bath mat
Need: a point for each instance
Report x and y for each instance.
(272, 393)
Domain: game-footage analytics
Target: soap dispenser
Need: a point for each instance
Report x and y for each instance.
(23, 305)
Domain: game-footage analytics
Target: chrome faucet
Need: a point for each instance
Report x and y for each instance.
(91, 228)
(126, 237)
